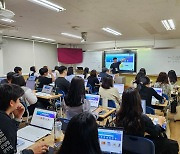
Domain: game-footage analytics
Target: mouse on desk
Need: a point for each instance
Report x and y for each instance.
(102, 112)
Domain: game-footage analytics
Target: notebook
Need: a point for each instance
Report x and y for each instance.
(110, 140)
(159, 91)
(120, 87)
(143, 104)
(94, 101)
(46, 91)
(41, 125)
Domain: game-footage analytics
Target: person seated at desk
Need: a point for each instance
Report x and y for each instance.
(75, 101)
(10, 105)
(9, 78)
(104, 73)
(131, 118)
(29, 97)
(107, 91)
(162, 82)
(93, 81)
(18, 70)
(61, 83)
(33, 72)
(81, 136)
(146, 92)
(44, 79)
(137, 79)
(70, 74)
(172, 77)
(86, 72)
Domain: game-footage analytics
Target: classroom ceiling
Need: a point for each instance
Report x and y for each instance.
(135, 19)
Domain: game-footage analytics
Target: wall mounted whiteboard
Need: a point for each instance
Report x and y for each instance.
(158, 60)
(93, 60)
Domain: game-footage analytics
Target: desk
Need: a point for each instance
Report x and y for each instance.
(108, 112)
(53, 96)
(161, 105)
(152, 117)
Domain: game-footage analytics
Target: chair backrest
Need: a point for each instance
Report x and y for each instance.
(138, 145)
(111, 104)
(150, 110)
(166, 96)
(90, 88)
(61, 92)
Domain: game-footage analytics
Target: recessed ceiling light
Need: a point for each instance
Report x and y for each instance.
(8, 20)
(72, 35)
(168, 24)
(43, 38)
(109, 30)
(48, 5)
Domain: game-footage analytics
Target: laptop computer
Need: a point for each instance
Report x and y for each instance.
(85, 82)
(32, 78)
(46, 91)
(41, 125)
(31, 84)
(154, 100)
(99, 78)
(110, 140)
(94, 101)
(120, 87)
(143, 104)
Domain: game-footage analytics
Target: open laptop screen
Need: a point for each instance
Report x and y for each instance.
(143, 104)
(120, 87)
(43, 118)
(93, 99)
(158, 90)
(110, 140)
(32, 78)
(30, 84)
(47, 89)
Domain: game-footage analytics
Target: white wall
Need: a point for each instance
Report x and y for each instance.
(26, 54)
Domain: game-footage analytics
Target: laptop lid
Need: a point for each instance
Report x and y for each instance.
(158, 90)
(32, 78)
(120, 87)
(93, 99)
(85, 82)
(47, 89)
(99, 78)
(31, 84)
(110, 140)
(43, 118)
(143, 104)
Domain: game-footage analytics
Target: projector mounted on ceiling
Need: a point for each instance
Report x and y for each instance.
(84, 36)
(4, 12)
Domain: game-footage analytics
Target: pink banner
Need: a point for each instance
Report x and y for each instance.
(70, 55)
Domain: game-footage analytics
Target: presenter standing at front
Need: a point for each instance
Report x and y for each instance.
(115, 65)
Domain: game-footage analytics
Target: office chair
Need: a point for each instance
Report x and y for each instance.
(111, 104)
(137, 145)
(150, 110)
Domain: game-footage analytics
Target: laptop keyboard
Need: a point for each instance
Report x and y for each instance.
(42, 94)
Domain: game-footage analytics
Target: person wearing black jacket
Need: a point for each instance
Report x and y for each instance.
(146, 92)
(131, 118)
(10, 105)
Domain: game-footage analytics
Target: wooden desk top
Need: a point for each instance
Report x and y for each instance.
(161, 105)
(108, 111)
(50, 96)
(155, 116)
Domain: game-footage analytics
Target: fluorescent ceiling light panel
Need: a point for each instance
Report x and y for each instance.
(8, 20)
(48, 5)
(71, 35)
(42, 38)
(168, 24)
(109, 30)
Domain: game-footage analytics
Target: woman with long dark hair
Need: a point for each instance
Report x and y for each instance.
(131, 118)
(75, 101)
(162, 82)
(172, 78)
(81, 136)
